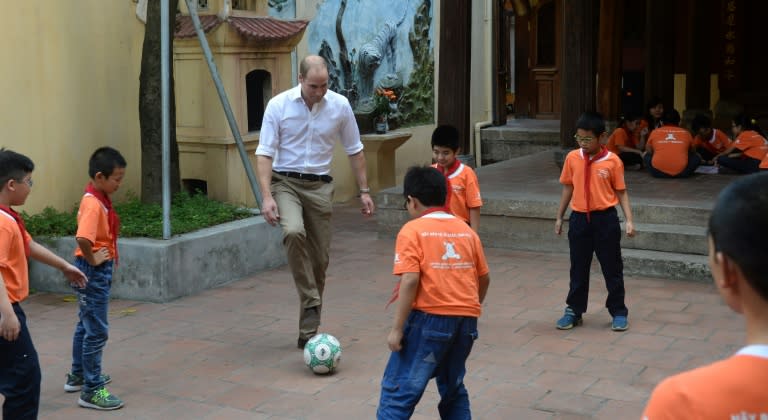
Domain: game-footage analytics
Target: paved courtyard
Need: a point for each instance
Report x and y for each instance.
(229, 353)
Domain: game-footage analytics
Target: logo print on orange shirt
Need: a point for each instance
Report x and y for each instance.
(397, 258)
(603, 173)
(450, 251)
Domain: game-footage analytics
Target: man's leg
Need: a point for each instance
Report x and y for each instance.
(318, 207)
(291, 210)
(20, 374)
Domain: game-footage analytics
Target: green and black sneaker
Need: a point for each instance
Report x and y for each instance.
(99, 399)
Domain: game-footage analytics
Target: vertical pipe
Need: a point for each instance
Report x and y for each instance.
(166, 128)
(224, 101)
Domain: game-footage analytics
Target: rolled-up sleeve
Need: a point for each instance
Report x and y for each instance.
(269, 134)
(350, 133)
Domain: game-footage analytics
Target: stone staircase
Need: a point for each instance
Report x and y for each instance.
(518, 138)
(671, 234)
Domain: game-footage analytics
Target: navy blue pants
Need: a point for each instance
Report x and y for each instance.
(741, 164)
(600, 236)
(19, 373)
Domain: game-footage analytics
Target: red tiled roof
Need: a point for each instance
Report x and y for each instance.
(266, 28)
(185, 28)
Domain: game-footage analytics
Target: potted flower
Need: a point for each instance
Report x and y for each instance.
(384, 104)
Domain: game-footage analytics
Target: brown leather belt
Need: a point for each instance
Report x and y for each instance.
(306, 177)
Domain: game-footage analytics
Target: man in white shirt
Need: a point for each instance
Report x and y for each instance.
(299, 130)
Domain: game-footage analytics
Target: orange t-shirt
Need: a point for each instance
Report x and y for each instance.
(606, 177)
(715, 144)
(620, 137)
(449, 258)
(638, 129)
(751, 144)
(93, 224)
(670, 145)
(729, 389)
(13, 261)
(465, 190)
(764, 162)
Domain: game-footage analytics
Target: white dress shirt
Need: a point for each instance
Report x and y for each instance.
(300, 140)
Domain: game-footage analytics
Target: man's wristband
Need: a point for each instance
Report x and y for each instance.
(365, 190)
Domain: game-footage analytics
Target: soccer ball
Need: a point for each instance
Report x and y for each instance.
(322, 353)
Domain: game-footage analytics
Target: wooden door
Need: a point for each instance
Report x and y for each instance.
(545, 59)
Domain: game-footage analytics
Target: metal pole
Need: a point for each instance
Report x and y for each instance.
(192, 6)
(166, 129)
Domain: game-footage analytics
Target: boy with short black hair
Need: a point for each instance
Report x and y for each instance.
(19, 364)
(734, 387)
(593, 184)
(443, 282)
(463, 199)
(97, 228)
(709, 142)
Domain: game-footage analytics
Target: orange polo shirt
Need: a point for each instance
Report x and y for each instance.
(729, 389)
(13, 261)
(465, 190)
(449, 258)
(606, 177)
(718, 142)
(751, 144)
(93, 225)
(621, 137)
(670, 145)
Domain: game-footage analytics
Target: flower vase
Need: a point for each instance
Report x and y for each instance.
(381, 126)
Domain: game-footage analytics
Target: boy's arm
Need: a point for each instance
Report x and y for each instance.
(93, 258)
(409, 283)
(42, 254)
(474, 218)
(624, 202)
(565, 198)
(485, 281)
(9, 322)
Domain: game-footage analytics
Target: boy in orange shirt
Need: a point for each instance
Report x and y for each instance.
(19, 364)
(622, 141)
(709, 142)
(747, 151)
(733, 388)
(669, 152)
(463, 198)
(593, 184)
(443, 282)
(97, 228)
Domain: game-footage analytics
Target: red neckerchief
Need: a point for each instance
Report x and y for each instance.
(588, 161)
(396, 290)
(22, 228)
(448, 190)
(112, 217)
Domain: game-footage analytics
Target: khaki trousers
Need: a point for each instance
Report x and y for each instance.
(305, 215)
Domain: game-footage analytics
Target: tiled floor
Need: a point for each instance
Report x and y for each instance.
(230, 353)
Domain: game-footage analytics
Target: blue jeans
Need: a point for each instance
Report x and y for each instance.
(92, 329)
(19, 373)
(434, 346)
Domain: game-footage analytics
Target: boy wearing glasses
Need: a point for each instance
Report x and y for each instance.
(443, 282)
(730, 388)
(593, 184)
(19, 364)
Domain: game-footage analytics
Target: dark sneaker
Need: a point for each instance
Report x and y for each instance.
(620, 323)
(569, 320)
(302, 342)
(75, 382)
(99, 399)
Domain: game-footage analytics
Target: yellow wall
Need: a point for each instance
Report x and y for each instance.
(69, 78)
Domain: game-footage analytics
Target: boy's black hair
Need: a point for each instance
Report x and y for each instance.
(105, 160)
(14, 166)
(700, 121)
(591, 121)
(446, 136)
(738, 224)
(425, 183)
(671, 116)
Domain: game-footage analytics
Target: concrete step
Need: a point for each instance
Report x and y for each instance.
(682, 239)
(505, 142)
(666, 265)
